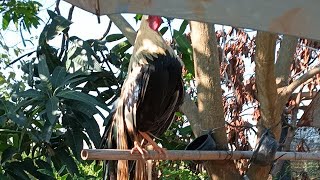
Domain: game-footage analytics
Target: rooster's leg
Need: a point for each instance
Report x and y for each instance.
(138, 147)
(154, 144)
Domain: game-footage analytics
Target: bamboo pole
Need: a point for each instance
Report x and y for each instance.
(115, 154)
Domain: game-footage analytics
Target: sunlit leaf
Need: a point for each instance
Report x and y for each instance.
(57, 25)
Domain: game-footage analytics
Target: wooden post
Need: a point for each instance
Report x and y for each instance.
(115, 154)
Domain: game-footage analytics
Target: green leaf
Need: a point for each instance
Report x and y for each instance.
(18, 118)
(28, 165)
(46, 131)
(44, 165)
(66, 159)
(52, 108)
(185, 130)
(183, 26)
(182, 41)
(62, 169)
(58, 76)
(5, 20)
(74, 139)
(3, 119)
(70, 78)
(121, 47)
(43, 69)
(82, 97)
(114, 37)
(8, 153)
(164, 30)
(31, 93)
(64, 177)
(82, 54)
(184, 46)
(16, 172)
(97, 45)
(138, 17)
(58, 24)
(91, 126)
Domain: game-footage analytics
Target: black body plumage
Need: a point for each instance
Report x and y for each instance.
(150, 96)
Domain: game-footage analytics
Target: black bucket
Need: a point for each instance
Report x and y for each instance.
(202, 143)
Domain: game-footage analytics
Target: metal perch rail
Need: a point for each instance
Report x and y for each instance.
(115, 154)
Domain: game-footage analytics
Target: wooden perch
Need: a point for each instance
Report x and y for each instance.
(115, 154)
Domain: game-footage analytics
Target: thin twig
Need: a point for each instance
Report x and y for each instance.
(16, 60)
(57, 7)
(65, 37)
(107, 31)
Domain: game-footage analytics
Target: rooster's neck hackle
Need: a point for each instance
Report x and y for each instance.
(149, 43)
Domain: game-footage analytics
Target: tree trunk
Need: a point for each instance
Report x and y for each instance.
(210, 108)
(267, 94)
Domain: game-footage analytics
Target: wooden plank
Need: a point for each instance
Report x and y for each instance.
(294, 17)
(115, 154)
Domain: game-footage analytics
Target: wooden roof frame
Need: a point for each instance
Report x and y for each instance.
(293, 17)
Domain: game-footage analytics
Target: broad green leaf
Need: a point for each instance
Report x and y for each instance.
(46, 172)
(18, 118)
(58, 76)
(82, 97)
(82, 54)
(57, 25)
(97, 45)
(5, 20)
(185, 131)
(8, 153)
(183, 26)
(65, 177)
(52, 108)
(114, 37)
(92, 128)
(182, 41)
(122, 47)
(31, 93)
(85, 108)
(28, 165)
(62, 169)
(3, 119)
(46, 131)
(66, 159)
(70, 77)
(164, 30)
(16, 172)
(184, 46)
(43, 69)
(74, 82)
(74, 139)
(43, 165)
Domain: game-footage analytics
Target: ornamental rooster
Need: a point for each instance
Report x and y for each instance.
(150, 96)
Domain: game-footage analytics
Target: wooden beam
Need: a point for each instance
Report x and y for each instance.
(115, 154)
(293, 17)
